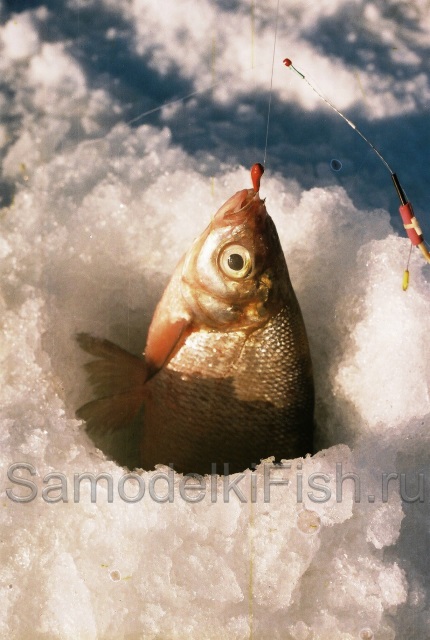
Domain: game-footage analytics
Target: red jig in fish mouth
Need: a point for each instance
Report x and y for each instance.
(257, 171)
(245, 205)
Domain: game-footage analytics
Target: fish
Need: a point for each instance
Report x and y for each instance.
(225, 379)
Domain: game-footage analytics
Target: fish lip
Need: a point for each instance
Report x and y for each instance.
(244, 208)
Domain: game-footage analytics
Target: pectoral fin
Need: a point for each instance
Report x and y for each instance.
(170, 326)
(164, 339)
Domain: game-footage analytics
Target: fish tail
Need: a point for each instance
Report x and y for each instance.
(118, 380)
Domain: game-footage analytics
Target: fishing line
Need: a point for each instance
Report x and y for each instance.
(183, 98)
(410, 222)
(271, 84)
(168, 104)
(252, 32)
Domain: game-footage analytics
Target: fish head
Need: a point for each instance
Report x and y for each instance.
(234, 276)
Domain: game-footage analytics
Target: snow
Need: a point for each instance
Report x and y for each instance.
(97, 210)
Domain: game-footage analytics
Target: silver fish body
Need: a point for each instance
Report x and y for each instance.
(232, 399)
(226, 376)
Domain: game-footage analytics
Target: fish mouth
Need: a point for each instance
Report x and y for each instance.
(245, 206)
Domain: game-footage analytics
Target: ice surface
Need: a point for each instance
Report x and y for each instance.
(95, 216)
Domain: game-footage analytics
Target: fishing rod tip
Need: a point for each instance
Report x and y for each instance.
(287, 62)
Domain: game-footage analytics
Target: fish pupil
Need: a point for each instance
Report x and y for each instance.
(235, 262)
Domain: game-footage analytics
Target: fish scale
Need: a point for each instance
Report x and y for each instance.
(246, 405)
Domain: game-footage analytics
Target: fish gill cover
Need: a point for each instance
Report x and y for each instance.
(95, 215)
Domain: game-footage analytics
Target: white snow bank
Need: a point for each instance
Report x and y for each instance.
(90, 250)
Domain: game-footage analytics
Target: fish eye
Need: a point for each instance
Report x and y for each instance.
(235, 261)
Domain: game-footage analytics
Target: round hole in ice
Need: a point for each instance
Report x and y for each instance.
(336, 165)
